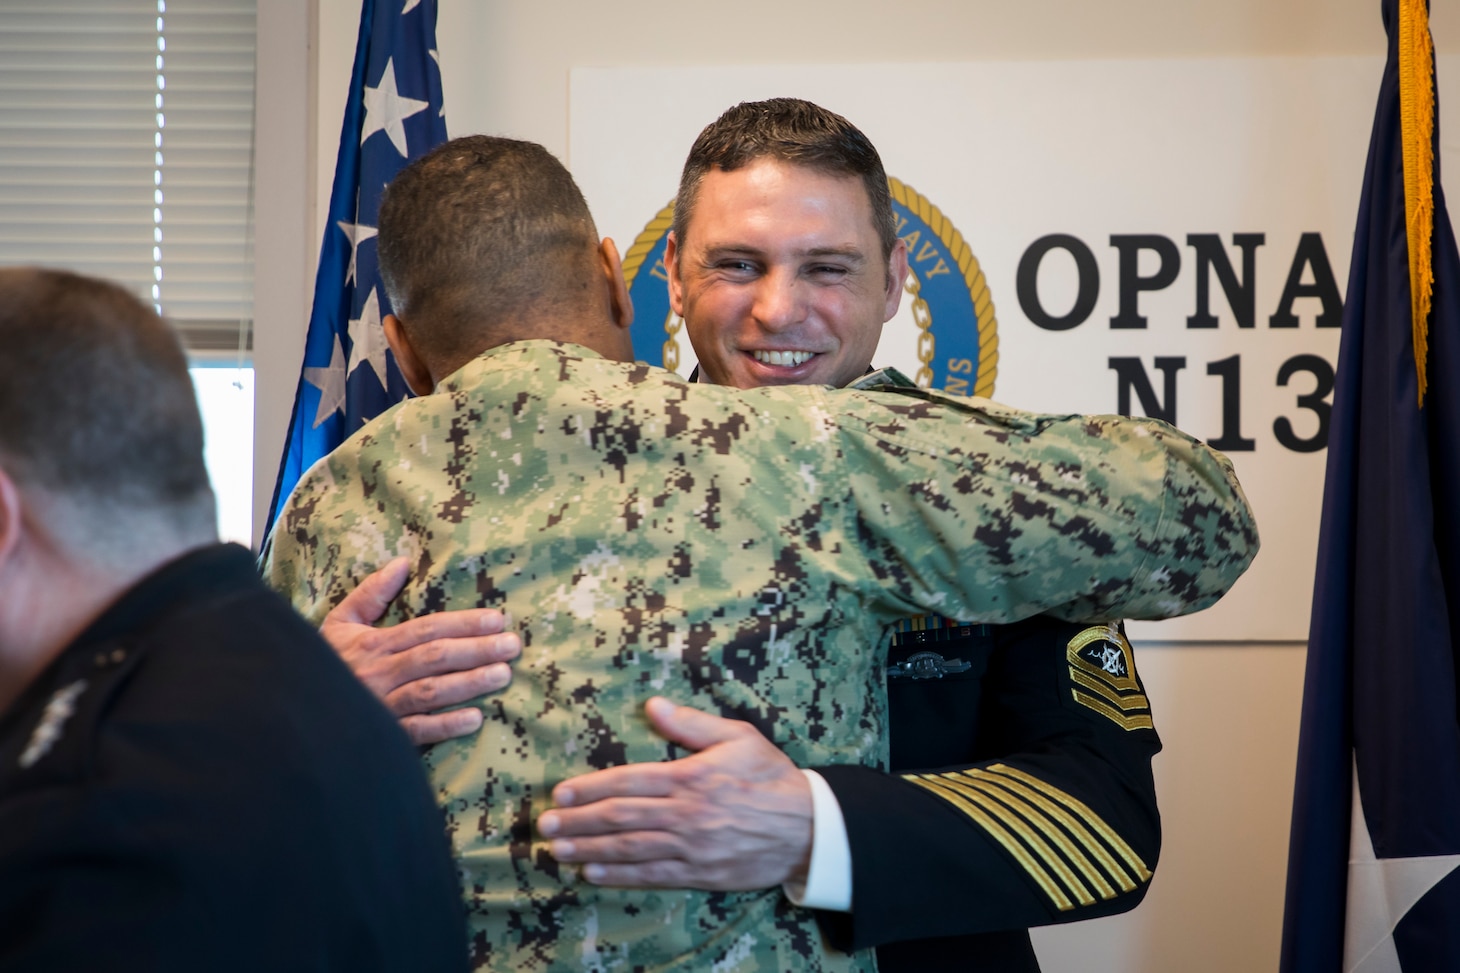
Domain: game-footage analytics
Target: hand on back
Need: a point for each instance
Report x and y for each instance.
(422, 665)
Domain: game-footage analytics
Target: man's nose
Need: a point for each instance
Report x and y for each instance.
(780, 301)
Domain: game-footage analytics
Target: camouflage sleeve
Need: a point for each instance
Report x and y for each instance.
(288, 561)
(1089, 518)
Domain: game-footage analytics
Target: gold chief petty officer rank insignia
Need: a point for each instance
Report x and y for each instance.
(1103, 671)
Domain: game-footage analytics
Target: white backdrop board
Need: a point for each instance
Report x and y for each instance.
(1159, 237)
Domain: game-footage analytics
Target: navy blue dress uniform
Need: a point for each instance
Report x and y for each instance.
(198, 783)
(1021, 794)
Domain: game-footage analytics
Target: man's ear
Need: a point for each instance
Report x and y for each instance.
(620, 307)
(671, 267)
(896, 278)
(412, 368)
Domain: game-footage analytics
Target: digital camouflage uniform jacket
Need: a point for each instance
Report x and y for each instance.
(733, 550)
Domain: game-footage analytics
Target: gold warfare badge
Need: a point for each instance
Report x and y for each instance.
(945, 334)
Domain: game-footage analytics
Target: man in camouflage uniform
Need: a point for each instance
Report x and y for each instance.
(746, 552)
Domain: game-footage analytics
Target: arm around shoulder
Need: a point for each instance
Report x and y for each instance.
(1090, 518)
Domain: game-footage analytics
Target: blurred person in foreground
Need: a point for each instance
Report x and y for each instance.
(746, 551)
(189, 778)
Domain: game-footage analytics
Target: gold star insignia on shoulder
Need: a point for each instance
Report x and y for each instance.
(59, 709)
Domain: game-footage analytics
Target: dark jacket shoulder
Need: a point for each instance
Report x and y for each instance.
(198, 782)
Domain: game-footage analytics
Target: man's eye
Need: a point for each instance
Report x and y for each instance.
(737, 266)
(826, 271)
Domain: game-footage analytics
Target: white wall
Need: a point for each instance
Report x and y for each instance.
(1228, 712)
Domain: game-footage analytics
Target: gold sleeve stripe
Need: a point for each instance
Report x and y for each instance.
(1142, 722)
(1010, 843)
(1071, 823)
(1083, 811)
(1021, 827)
(1005, 792)
(1124, 703)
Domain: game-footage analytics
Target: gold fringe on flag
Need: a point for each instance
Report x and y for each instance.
(1416, 136)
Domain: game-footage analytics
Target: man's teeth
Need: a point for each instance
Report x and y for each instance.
(792, 358)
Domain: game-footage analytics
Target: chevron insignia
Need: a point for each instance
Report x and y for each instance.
(1103, 670)
(1066, 848)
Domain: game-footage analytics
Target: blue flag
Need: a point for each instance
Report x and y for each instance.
(393, 114)
(1372, 880)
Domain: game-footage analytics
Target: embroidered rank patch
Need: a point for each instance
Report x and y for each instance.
(1068, 850)
(1103, 670)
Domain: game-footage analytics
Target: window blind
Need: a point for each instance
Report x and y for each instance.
(126, 141)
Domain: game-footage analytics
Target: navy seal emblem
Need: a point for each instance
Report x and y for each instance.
(945, 335)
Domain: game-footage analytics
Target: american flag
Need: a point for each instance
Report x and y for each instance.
(393, 114)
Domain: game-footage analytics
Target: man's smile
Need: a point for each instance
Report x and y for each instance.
(788, 358)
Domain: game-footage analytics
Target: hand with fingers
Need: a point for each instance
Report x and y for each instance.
(735, 815)
(426, 663)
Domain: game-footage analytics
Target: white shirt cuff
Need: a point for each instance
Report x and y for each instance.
(829, 876)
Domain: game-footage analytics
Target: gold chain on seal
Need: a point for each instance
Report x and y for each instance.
(923, 318)
(978, 288)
